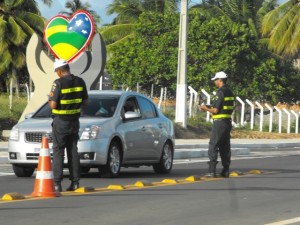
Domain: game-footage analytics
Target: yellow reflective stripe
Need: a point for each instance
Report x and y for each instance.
(221, 116)
(66, 112)
(228, 107)
(70, 90)
(229, 99)
(71, 101)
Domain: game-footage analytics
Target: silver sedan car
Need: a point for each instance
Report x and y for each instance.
(117, 129)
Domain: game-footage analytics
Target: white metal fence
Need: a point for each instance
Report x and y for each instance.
(247, 112)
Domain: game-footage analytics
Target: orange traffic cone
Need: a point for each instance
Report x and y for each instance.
(44, 184)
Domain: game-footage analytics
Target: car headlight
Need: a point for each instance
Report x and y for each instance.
(90, 133)
(14, 134)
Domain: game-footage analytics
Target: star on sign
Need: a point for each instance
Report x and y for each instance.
(78, 22)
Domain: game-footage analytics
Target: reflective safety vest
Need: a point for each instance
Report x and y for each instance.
(227, 106)
(71, 98)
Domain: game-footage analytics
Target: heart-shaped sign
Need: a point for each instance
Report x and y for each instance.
(67, 38)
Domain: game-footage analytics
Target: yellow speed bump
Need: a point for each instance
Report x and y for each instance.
(255, 172)
(193, 178)
(84, 189)
(234, 174)
(116, 187)
(170, 181)
(143, 183)
(13, 196)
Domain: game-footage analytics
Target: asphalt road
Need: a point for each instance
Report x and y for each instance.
(248, 199)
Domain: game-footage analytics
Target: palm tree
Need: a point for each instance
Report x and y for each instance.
(18, 20)
(240, 11)
(128, 12)
(76, 5)
(281, 26)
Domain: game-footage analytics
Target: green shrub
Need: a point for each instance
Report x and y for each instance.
(9, 117)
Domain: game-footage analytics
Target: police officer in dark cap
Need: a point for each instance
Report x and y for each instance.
(221, 111)
(67, 95)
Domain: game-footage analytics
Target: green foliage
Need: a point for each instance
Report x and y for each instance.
(214, 44)
(150, 56)
(18, 20)
(8, 117)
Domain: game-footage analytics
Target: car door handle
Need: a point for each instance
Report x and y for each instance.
(160, 125)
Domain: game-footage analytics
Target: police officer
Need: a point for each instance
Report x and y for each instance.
(221, 111)
(67, 95)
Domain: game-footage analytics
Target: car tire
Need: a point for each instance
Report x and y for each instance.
(21, 171)
(113, 166)
(166, 160)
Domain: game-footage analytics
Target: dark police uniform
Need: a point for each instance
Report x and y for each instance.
(220, 137)
(68, 92)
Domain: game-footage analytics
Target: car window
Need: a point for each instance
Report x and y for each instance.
(131, 105)
(147, 108)
(44, 112)
(100, 106)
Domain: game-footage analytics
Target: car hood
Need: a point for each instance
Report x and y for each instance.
(44, 124)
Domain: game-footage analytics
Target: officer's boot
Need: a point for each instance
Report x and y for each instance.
(211, 169)
(225, 172)
(57, 186)
(73, 186)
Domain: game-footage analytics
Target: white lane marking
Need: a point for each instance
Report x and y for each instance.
(285, 222)
(6, 174)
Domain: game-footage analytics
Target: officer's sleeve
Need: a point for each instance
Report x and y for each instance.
(54, 92)
(219, 101)
(85, 94)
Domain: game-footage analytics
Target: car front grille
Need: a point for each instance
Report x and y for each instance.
(33, 156)
(36, 137)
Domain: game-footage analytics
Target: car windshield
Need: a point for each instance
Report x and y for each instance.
(98, 106)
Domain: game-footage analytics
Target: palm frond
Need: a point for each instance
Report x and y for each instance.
(18, 36)
(116, 32)
(5, 61)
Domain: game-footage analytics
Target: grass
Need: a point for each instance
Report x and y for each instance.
(9, 116)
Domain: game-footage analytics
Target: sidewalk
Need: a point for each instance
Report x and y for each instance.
(197, 148)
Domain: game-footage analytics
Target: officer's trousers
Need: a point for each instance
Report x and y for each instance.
(220, 142)
(65, 136)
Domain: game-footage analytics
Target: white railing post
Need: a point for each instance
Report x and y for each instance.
(279, 118)
(252, 113)
(261, 116)
(242, 110)
(207, 102)
(192, 94)
(161, 97)
(288, 120)
(165, 99)
(27, 92)
(297, 121)
(271, 117)
(191, 102)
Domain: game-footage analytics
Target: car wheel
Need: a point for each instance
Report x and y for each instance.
(21, 171)
(113, 166)
(166, 161)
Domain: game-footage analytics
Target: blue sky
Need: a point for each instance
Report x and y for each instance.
(97, 5)
(58, 5)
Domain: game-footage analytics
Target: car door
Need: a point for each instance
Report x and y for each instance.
(151, 126)
(137, 134)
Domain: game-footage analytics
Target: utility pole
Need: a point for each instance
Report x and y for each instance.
(181, 89)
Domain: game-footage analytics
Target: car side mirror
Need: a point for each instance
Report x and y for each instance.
(132, 115)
